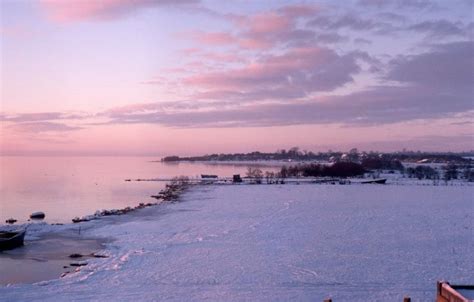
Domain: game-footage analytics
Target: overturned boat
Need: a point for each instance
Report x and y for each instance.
(375, 181)
(11, 240)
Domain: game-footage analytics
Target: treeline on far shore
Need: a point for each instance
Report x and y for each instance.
(346, 168)
(373, 166)
(339, 169)
(353, 163)
(295, 154)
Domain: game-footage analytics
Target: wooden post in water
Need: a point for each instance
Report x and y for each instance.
(327, 300)
(406, 299)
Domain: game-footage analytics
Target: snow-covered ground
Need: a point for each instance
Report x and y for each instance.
(278, 243)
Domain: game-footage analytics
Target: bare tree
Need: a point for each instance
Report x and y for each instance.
(256, 174)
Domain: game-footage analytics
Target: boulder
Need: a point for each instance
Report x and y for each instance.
(78, 264)
(11, 220)
(37, 215)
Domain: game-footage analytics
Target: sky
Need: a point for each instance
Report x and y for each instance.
(162, 77)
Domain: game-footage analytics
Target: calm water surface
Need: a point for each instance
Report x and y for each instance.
(65, 187)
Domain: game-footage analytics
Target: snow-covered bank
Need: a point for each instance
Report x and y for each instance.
(47, 249)
(278, 243)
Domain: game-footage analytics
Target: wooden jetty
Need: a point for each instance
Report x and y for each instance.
(249, 180)
(446, 292)
(454, 293)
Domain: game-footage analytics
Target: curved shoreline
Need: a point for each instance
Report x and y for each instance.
(46, 253)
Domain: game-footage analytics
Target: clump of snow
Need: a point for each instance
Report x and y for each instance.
(278, 243)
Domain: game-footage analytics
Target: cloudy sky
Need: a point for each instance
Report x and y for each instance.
(158, 77)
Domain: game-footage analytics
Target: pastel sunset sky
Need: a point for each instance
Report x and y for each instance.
(161, 77)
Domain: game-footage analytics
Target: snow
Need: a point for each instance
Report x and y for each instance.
(278, 243)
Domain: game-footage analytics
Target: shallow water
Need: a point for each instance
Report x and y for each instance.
(45, 258)
(65, 187)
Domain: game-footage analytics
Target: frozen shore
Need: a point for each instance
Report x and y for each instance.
(47, 257)
(277, 243)
(54, 250)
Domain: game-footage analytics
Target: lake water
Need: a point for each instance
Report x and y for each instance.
(65, 187)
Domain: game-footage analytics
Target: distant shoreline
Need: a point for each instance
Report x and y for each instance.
(295, 155)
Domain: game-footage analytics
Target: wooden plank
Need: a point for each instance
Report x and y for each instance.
(445, 293)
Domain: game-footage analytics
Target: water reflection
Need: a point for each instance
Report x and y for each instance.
(64, 187)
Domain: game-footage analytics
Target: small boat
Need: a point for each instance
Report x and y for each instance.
(209, 176)
(11, 240)
(375, 181)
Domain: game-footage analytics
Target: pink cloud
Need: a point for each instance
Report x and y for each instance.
(266, 23)
(65, 11)
(301, 10)
(304, 69)
(263, 30)
(41, 117)
(190, 51)
(214, 38)
(254, 43)
(201, 60)
(276, 21)
(222, 57)
(39, 127)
